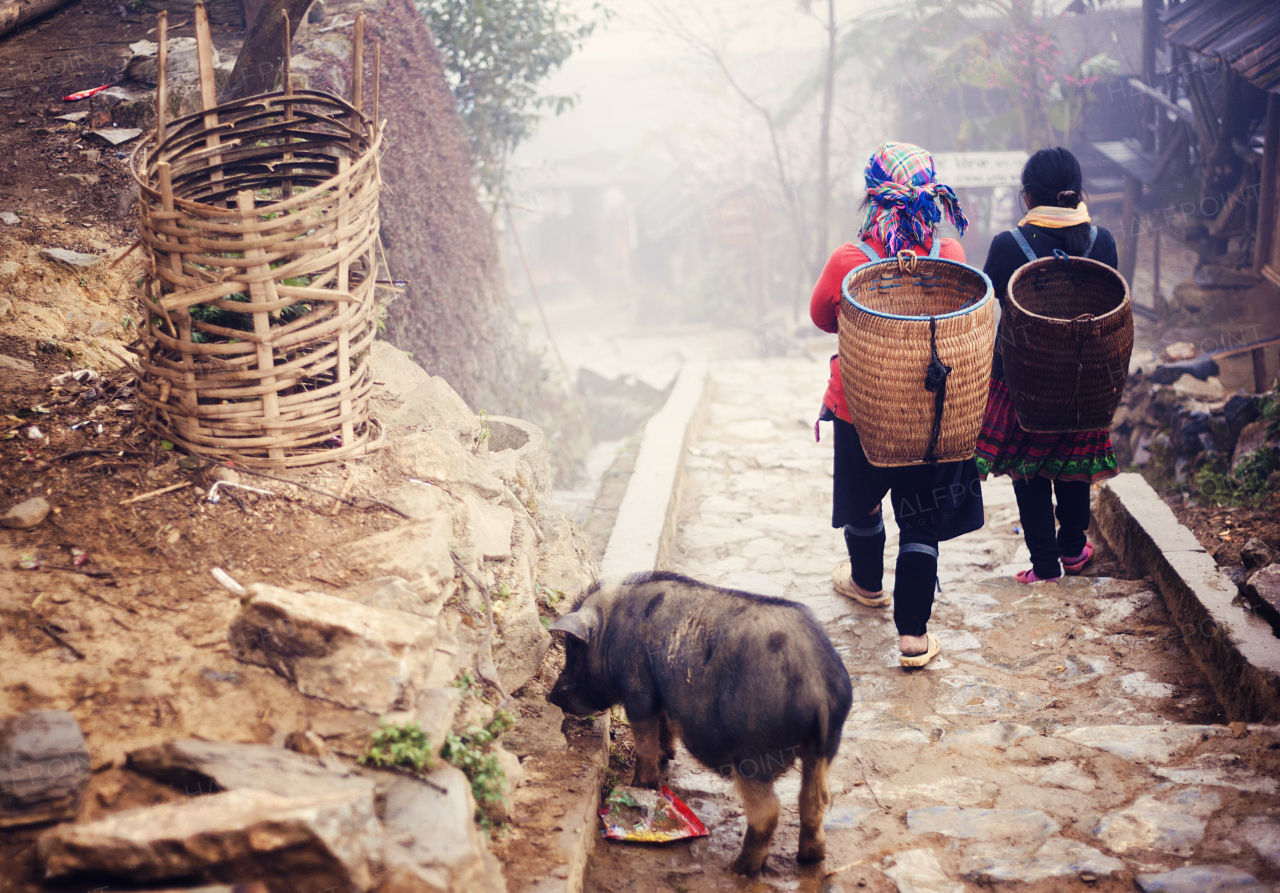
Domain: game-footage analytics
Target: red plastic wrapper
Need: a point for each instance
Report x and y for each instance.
(84, 94)
(647, 816)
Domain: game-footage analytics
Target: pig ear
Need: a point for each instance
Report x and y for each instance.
(579, 624)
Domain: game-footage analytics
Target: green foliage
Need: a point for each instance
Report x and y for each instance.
(469, 752)
(465, 682)
(494, 54)
(403, 746)
(1253, 480)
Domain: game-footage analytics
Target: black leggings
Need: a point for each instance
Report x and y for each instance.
(916, 575)
(1035, 508)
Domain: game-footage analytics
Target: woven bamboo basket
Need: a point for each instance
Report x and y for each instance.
(893, 314)
(259, 220)
(1066, 337)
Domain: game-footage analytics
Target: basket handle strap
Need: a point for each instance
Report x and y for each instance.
(1022, 243)
(1093, 237)
(868, 251)
(907, 261)
(935, 382)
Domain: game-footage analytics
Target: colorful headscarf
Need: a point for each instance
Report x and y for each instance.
(904, 195)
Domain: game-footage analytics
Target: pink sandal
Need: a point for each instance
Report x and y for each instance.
(1075, 565)
(1029, 576)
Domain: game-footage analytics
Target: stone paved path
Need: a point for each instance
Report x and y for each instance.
(1064, 739)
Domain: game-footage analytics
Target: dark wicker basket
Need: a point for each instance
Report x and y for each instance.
(1066, 337)
(893, 313)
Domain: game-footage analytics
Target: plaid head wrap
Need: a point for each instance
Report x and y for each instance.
(904, 195)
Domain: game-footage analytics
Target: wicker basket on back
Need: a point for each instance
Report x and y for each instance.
(1066, 337)
(896, 316)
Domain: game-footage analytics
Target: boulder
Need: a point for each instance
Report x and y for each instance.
(1253, 437)
(210, 767)
(490, 527)
(527, 442)
(333, 648)
(72, 260)
(312, 842)
(418, 552)
(433, 404)
(392, 594)
(436, 456)
(26, 514)
(421, 501)
(524, 641)
(44, 767)
(433, 845)
(1210, 389)
(1256, 554)
(434, 713)
(393, 370)
(1262, 589)
(180, 67)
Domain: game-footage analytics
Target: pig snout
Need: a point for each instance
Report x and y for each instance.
(565, 695)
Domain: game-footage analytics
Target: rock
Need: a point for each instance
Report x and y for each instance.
(1210, 389)
(309, 744)
(332, 648)
(72, 259)
(1262, 589)
(315, 14)
(392, 594)
(567, 577)
(1144, 687)
(1222, 769)
(9, 218)
(77, 180)
(210, 767)
(955, 790)
(6, 306)
(17, 364)
(435, 712)
(116, 136)
(433, 844)
(524, 641)
(1200, 368)
(1253, 437)
(525, 442)
(1216, 276)
(1256, 554)
(1174, 826)
(959, 822)
(1180, 350)
(9, 269)
(436, 456)
(918, 871)
(1151, 744)
(433, 404)
(1200, 879)
(1240, 410)
(26, 514)
(1141, 360)
(841, 818)
(417, 552)
(1263, 834)
(997, 734)
(180, 61)
(392, 369)
(1056, 857)
(314, 842)
(1068, 775)
(44, 768)
(490, 527)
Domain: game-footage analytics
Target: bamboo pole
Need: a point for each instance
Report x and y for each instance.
(286, 187)
(260, 293)
(165, 176)
(208, 90)
(162, 74)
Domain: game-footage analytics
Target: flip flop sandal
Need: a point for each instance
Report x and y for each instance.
(842, 580)
(919, 660)
(1075, 565)
(1029, 576)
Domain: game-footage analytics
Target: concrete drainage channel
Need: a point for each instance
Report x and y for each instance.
(1017, 719)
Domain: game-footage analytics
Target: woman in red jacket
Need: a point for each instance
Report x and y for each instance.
(931, 502)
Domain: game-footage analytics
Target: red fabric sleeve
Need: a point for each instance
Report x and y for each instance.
(824, 305)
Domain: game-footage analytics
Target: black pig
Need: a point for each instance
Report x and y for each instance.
(747, 682)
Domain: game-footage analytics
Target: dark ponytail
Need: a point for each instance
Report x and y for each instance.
(1052, 177)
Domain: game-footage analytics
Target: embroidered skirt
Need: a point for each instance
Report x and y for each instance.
(1004, 448)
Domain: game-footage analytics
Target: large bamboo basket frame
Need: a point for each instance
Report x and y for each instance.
(1066, 339)
(265, 207)
(886, 347)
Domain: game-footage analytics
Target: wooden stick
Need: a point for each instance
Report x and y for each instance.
(162, 74)
(208, 90)
(261, 292)
(61, 641)
(189, 399)
(486, 651)
(286, 187)
(377, 79)
(271, 477)
(357, 80)
(155, 493)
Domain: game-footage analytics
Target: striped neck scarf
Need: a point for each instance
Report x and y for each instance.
(904, 195)
(1056, 218)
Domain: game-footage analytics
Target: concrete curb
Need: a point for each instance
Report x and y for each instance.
(1234, 647)
(645, 525)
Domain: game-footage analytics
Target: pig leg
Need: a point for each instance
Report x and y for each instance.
(815, 797)
(647, 734)
(666, 737)
(761, 806)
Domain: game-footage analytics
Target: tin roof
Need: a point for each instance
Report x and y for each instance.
(1245, 34)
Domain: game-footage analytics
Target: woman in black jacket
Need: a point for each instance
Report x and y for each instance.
(1045, 465)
